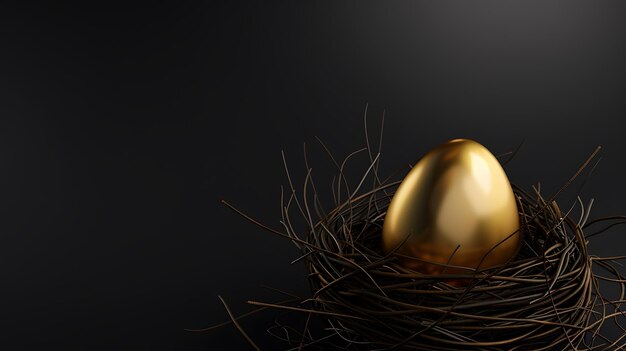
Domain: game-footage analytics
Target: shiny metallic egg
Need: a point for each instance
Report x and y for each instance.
(456, 207)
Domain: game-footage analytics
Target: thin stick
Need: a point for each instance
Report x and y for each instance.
(234, 320)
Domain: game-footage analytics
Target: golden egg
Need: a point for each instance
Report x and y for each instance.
(456, 206)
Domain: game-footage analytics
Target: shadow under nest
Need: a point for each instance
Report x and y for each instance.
(551, 296)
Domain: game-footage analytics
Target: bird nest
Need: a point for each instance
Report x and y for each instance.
(552, 296)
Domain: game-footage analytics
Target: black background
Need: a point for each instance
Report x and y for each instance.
(121, 128)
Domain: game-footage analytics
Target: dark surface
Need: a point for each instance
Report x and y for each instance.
(121, 128)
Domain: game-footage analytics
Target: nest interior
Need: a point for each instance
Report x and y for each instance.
(549, 297)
